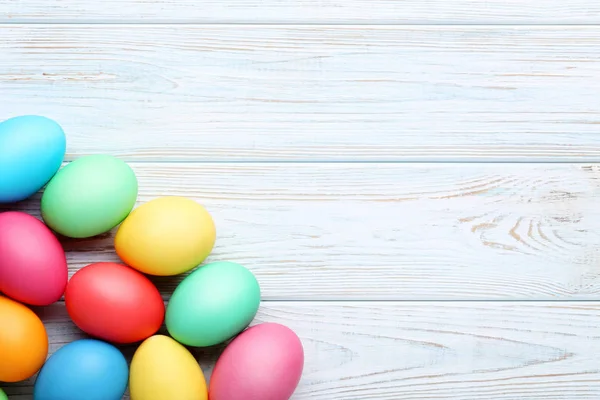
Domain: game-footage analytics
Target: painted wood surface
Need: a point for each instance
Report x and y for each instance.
(414, 351)
(312, 93)
(305, 11)
(391, 231)
(240, 104)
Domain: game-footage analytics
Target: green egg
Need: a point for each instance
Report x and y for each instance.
(3, 395)
(89, 196)
(212, 304)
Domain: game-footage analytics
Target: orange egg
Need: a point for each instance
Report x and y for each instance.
(23, 341)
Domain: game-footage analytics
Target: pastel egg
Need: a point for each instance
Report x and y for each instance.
(23, 341)
(89, 196)
(33, 266)
(212, 304)
(32, 149)
(115, 303)
(3, 395)
(263, 362)
(166, 236)
(163, 369)
(84, 369)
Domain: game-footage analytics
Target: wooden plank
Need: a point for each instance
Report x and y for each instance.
(305, 11)
(402, 351)
(391, 231)
(277, 93)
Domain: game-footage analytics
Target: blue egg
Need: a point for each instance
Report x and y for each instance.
(84, 369)
(32, 149)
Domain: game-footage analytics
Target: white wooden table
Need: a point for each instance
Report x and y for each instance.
(413, 182)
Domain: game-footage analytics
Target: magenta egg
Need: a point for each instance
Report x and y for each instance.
(33, 266)
(264, 362)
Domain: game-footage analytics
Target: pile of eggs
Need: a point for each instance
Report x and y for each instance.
(116, 303)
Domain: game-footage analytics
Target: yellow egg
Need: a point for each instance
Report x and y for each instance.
(162, 369)
(166, 236)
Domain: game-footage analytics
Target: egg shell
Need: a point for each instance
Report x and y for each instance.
(263, 362)
(113, 302)
(23, 341)
(166, 236)
(89, 196)
(84, 369)
(3, 395)
(212, 304)
(163, 369)
(33, 266)
(32, 149)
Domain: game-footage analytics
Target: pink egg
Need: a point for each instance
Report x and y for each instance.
(264, 362)
(33, 266)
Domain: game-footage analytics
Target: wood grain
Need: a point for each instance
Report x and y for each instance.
(414, 351)
(313, 93)
(305, 11)
(390, 231)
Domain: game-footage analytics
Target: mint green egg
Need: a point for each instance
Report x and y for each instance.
(89, 196)
(3, 395)
(212, 304)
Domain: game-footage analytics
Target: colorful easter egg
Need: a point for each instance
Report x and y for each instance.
(166, 236)
(33, 266)
(84, 369)
(89, 196)
(32, 149)
(263, 362)
(115, 303)
(163, 369)
(3, 395)
(212, 304)
(23, 341)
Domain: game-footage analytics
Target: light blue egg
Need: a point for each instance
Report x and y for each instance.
(32, 149)
(84, 369)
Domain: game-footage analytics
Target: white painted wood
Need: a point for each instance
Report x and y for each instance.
(391, 231)
(418, 351)
(305, 11)
(252, 93)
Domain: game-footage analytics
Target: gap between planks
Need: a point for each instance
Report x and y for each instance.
(549, 162)
(276, 24)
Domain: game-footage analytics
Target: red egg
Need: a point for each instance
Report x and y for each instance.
(33, 266)
(263, 362)
(114, 302)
